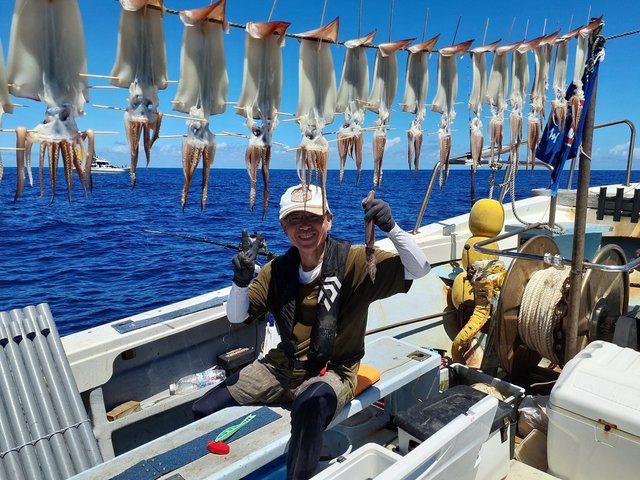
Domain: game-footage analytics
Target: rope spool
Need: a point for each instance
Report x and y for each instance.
(543, 306)
(533, 304)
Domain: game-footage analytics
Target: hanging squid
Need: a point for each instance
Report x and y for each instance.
(6, 106)
(559, 103)
(351, 99)
(385, 84)
(260, 98)
(415, 96)
(445, 99)
(478, 92)
(202, 90)
(519, 86)
(542, 48)
(141, 66)
(46, 57)
(316, 102)
(576, 102)
(496, 96)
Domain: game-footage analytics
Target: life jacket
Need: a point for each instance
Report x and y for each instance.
(323, 332)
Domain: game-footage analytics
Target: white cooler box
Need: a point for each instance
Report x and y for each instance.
(594, 415)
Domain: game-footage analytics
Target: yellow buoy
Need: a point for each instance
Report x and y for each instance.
(486, 218)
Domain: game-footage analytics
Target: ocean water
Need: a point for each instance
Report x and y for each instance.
(93, 262)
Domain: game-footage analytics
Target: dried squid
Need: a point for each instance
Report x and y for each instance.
(352, 95)
(260, 98)
(415, 96)
(202, 90)
(370, 240)
(519, 86)
(46, 57)
(559, 103)
(316, 102)
(5, 102)
(576, 102)
(141, 66)
(445, 99)
(496, 96)
(385, 84)
(478, 91)
(542, 48)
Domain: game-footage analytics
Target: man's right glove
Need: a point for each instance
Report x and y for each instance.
(244, 263)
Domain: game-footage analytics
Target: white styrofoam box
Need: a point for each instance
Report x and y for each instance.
(594, 415)
(367, 461)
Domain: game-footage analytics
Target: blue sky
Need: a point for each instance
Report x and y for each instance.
(618, 95)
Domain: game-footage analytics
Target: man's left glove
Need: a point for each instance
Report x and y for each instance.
(244, 263)
(380, 212)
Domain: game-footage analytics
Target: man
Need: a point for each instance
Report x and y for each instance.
(319, 292)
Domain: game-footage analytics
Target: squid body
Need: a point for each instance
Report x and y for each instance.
(476, 99)
(445, 99)
(317, 97)
(352, 94)
(141, 66)
(202, 90)
(519, 86)
(542, 47)
(260, 98)
(46, 57)
(415, 96)
(385, 85)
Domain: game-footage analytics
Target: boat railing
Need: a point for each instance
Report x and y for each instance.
(555, 260)
(464, 159)
(632, 141)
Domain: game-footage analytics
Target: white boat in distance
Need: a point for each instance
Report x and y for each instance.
(100, 165)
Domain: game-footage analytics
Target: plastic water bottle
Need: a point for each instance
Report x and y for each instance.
(197, 381)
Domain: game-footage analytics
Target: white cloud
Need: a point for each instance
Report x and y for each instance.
(622, 150)
(171, 149)
(391, 142)
(119, 148)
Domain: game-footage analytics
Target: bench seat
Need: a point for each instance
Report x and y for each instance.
(406, 372)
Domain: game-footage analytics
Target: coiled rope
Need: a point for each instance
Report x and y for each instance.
(537, 319)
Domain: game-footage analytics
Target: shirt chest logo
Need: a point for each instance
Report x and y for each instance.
(329, 291)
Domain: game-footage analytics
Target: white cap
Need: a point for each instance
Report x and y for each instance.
(293, 200)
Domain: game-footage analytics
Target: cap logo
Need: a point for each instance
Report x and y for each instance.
(299, 194)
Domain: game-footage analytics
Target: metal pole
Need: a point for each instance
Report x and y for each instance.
(577, 266)
(425, 200)
(552, 210)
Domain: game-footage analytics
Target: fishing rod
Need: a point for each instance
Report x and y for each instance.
(230, 246)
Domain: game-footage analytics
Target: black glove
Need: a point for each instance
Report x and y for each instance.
(380, 212)
(244, 263)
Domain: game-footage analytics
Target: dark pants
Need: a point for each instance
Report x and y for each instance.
(311, 412)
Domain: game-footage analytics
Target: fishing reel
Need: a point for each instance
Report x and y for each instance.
(248, 241)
